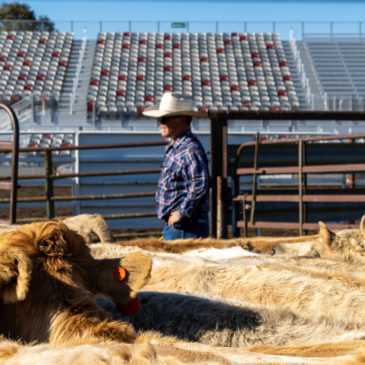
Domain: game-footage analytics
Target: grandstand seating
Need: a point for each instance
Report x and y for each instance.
(36, 140)
(33, 63)
(130, 71)
(219, 70)
(339, 64)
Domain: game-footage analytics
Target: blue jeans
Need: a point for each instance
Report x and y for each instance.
(188, 229)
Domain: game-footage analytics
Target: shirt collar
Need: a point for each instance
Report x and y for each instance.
(180, 140)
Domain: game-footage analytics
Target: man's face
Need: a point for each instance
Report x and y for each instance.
(173, 127)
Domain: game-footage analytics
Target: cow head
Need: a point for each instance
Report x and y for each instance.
(54, 249)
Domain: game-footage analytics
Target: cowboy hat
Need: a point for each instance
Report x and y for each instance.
(173, 103)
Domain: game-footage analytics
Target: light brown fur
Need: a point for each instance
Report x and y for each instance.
(254, 244)
(91, 226)
(346, 245)
(234, 323)
(161, 351)
(47, 282)
(264, 280)
(328, 349)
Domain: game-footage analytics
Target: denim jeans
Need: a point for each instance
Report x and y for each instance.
(188, 229)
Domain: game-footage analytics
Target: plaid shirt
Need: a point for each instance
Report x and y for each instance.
(184, 182)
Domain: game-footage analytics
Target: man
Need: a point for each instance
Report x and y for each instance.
(182, 196)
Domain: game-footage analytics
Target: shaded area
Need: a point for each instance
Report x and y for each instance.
(186, 316)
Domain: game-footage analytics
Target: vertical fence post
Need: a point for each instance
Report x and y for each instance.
(254, 178)
(14, 162)
(49, 184)
(219, 172)
(300, 185)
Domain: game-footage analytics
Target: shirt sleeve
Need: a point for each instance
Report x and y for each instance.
(197, 180)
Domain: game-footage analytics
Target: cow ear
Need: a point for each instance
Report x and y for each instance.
(326, 233)
(362, 225)
(327, 238)
(15, 274)
(138, 267)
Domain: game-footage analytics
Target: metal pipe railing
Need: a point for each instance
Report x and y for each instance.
(49, 178)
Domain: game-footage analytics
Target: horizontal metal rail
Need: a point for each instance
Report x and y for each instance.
(296, 167)
(86, 174)
(287, 115)
(105, 216)
(49, 177)
(13, 147)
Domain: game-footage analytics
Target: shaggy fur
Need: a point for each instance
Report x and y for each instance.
(328, 349)
(91, 226)
(161, 351)
(302, 290)
(304, 285)
(212, 321)
(347, 245)
(47, 282)
(254, 244)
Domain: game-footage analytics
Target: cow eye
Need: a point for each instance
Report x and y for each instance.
(273, 252)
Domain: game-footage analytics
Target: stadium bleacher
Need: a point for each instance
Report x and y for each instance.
(36, 140)
(235, 71)
(119, 74)
(33, 63)
(340, 68)
(103, 84)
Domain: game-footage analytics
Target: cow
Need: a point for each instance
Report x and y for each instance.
(48, 280)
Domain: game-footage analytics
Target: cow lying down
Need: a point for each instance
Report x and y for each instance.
(48, 279)
(47, 282)
(92, 227)
(344, 245)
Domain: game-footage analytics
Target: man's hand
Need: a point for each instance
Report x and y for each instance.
(173, 218)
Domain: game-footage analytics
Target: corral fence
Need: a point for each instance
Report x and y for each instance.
(304, 180)
(340, 160)
(227, 192)
(50, 176)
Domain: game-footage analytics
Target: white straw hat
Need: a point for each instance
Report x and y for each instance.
(173, 103)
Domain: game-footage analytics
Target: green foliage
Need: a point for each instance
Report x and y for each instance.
(16, 16)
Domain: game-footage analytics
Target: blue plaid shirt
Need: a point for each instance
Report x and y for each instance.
(184, 182)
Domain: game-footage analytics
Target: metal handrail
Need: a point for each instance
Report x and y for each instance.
(301, 168)
(12, 147)
(49, 178)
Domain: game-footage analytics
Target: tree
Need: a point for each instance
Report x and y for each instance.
(16, 16)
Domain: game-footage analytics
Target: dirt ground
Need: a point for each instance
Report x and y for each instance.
(24, 213)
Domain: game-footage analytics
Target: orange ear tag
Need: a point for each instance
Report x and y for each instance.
(119, 273)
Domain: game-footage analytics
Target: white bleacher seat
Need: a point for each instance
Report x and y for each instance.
(219, 70)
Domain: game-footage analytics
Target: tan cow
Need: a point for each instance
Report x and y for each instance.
(47, 282)
(347, 244)
(253, 244)
(212, 320)
(301, 284)
(91, 226)
(168, 351)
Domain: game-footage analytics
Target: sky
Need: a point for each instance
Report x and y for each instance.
(202, 15)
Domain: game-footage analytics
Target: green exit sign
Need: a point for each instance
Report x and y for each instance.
(178, 25)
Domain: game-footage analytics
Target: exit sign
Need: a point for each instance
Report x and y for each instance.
(178, 25)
